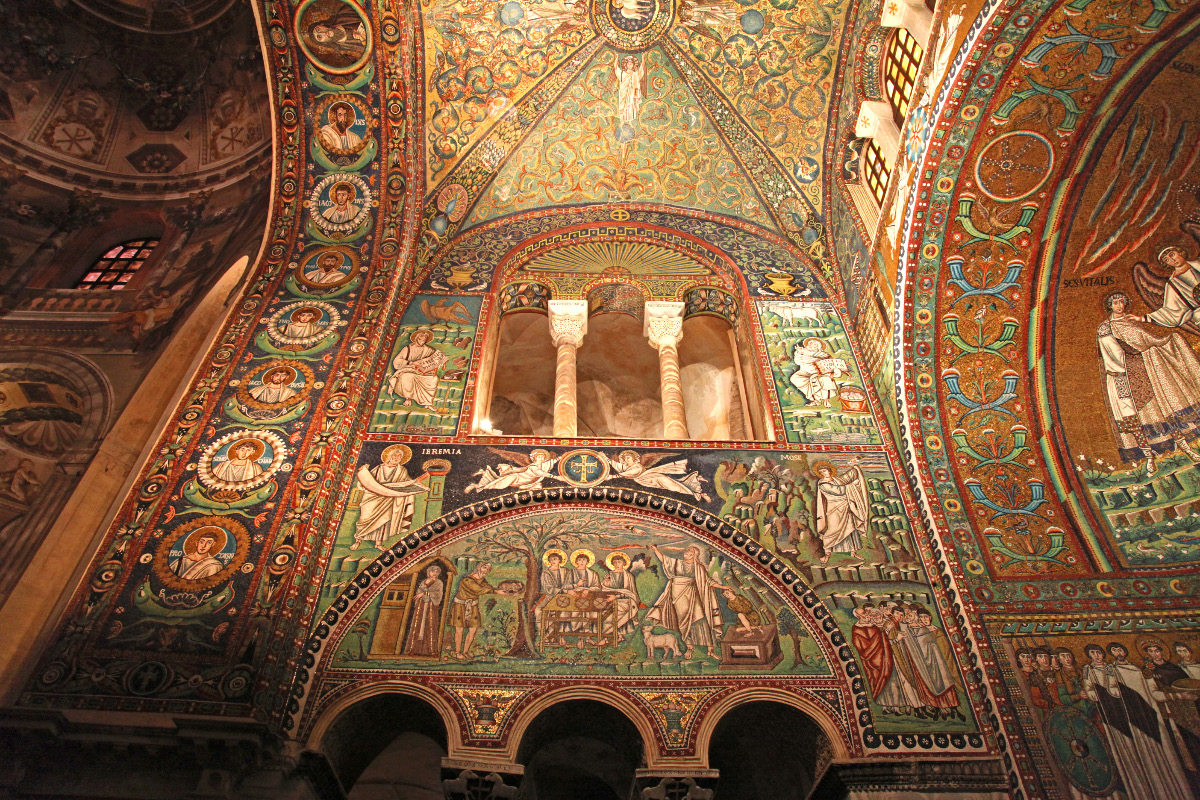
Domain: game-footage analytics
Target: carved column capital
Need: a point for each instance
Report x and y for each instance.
(663, 323)
(568, 321)
(690, 784)
(468, 780)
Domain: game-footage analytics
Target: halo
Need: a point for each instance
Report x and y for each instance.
(623, 453)
(583, 551)
(341, 104)
(274, 370)
(259, 447)
(805, 342)
(219, 535)
(350, 187)
(546, 453)
(397, 448)
(609, 559)
(551, 552)
(1145, 641)
(1168, 249)
(815, 469)
(418, 332)
(327, 254)
(303, 309)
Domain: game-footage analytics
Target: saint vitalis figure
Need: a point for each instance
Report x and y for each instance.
(1151, 384)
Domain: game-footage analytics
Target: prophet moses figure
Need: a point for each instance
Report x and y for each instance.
(842, 509)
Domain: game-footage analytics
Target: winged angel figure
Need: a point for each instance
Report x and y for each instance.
(526, 471)
(1173, 295)
(645, 470)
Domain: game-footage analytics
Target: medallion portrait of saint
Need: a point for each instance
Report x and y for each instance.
(276, 386)
(326, 270)
(334, 34)
(337, 135)
(197, 554)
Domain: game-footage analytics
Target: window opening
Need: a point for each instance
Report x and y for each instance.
(118, 265)
(875, 169)
(900, 67)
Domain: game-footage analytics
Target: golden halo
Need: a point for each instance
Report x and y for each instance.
(397, 448)
(546, 453)
(305, 310)
(621, 455)
(812, 339)
(218, 535)
(412, 337)
(608, 561)
(1145, 641)
(554, 551)
(291, 373)
(818, 465)
(349, 187)
(583, 551)
(259, 448)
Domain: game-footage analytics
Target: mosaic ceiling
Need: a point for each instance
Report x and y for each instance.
(321, 516)
(718, 107)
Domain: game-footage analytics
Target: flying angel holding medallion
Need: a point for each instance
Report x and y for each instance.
(644, 470)
(526, 471)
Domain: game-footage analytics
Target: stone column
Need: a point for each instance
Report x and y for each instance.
(664, 329)
(568, 324)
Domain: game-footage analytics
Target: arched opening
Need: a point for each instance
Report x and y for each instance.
(522, 399)
(713, 396)
(579, 750)
(390, 745)
(778, 766)
(617, 370)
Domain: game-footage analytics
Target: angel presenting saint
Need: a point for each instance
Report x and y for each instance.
(1174, 296)
(645, 470)
(527, 471)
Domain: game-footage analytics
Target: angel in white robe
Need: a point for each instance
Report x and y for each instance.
(642, 471)
(843, 511)
(388, 495)
(526, 472)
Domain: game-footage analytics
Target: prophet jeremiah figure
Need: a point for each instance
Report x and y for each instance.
(1152, 385)
(689, 603)
(416, 366)
(386, 508)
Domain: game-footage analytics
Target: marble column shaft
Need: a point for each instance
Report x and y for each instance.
(664, 329)
(568, 324)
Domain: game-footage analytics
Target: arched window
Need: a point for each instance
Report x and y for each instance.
(900, 65)
(117, 266)
(605, 356)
